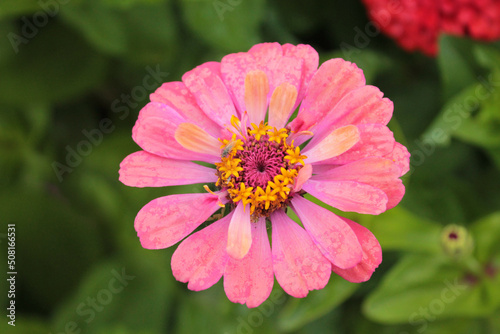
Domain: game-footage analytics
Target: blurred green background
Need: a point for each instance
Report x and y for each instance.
(73, 77)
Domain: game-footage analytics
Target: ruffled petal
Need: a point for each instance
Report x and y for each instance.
(282, 104)
(363, 105)
(177, 96)
(298, 263)
(256, 90)
(250, 280)
(372, 255)
(333, 80)
(377, 172)
(334, 144)
(154, 132)
(348, 195)
(401, 157)
(239, 238)
(310, 60)
(207, 87)
(201, 258)
(143, 169)
(330, 233)
(376, 140)
(166, 220)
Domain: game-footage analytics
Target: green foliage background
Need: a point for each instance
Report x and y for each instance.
(66, 69)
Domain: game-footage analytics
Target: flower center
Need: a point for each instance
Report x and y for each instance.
(258, 167)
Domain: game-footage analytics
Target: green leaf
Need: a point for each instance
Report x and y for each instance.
(455, 62)
(47, 227)
(152, 34)
(24, 326)
(420, 288)
(132, 293)
(451, 117)
(70, 70)
(100, 25)
(398, 229)
(486, 234)
(299, 312)
(225, 24)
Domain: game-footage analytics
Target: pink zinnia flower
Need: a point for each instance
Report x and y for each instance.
(234, 115)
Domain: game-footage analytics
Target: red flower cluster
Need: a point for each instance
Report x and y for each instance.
(416, 24)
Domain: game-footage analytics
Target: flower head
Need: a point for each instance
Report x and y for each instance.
(236, 115)
(416, 25)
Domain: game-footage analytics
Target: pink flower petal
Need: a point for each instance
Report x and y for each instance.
(195, 139)
(348, 195)
(289, 70)
(298, 263)
(377, 172)
(256, 90)
(234, 68)
(330, 233)
(401, 157)
(372, 255)
(267, 57)
(205, 83)
(311, 61)
(376, 140)
(166, 220)
(177, 96)
(333, 80)
(143, 169)
(201, 258)
(250, 280)
(281, 105)
(239, 238)
(154, 132)
(335, 143)
(360, 106)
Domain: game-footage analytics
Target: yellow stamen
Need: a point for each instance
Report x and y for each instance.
(259, 131)
(279, 187)
(266, 196)
(277, 135)
(294, 156)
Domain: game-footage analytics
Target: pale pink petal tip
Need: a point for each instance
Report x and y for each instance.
(298, 263)
(372, 255)
(250, 280)
(239, 237)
